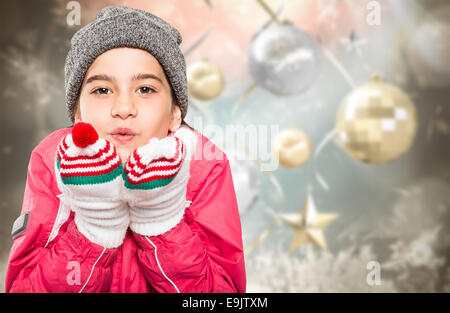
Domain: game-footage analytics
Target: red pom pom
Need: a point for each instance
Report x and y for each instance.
(84, 134)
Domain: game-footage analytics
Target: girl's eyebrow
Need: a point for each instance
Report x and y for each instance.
(140, 76)
(100, 77)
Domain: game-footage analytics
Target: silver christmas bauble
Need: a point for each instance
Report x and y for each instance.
(246, 180)
(283, 59)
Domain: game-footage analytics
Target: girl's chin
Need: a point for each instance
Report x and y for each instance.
(124, 155)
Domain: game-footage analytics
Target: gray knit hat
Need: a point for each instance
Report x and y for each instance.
(119, 26)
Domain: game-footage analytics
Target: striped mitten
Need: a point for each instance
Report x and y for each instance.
(89, 175)
(156, 177)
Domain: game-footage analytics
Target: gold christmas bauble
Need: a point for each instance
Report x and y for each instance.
(205, 80)
(291, 147)
(376, 122)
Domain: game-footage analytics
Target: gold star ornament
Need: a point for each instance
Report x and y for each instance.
(308, 225)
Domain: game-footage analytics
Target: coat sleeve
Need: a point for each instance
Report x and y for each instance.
(204, 252)
(70, 263)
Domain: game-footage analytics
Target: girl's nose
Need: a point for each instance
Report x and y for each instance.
(124, 108)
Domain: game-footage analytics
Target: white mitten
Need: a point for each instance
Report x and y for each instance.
(89, 174)
(156, 177)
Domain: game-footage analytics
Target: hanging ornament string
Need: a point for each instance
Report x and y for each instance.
(331, 134)
(247, 91)
(208, 2)
(202, 37)
(266, 232)
(199, 41)
(274, 18)
(341, 69)
(261, 237)
(261, 166)
(269, 11)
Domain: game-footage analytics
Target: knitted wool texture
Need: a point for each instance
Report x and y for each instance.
(83, 158)
(89, 175)
(156, 176)
(154, 165)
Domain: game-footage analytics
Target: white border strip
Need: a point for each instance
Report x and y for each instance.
(159, 265)
(92, 270)
(61, 217)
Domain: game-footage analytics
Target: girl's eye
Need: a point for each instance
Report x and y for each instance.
(101, 91)
(145, 90)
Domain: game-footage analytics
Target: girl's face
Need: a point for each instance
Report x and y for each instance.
(125, 91)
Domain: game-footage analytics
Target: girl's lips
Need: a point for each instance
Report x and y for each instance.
(123, 138)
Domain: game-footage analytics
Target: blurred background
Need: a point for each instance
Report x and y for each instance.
(358, 90)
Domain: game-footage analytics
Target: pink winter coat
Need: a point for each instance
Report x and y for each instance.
(203, 253)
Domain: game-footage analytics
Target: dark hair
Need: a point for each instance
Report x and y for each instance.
(183, 122)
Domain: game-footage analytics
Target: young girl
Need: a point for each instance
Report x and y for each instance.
(125, 200)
